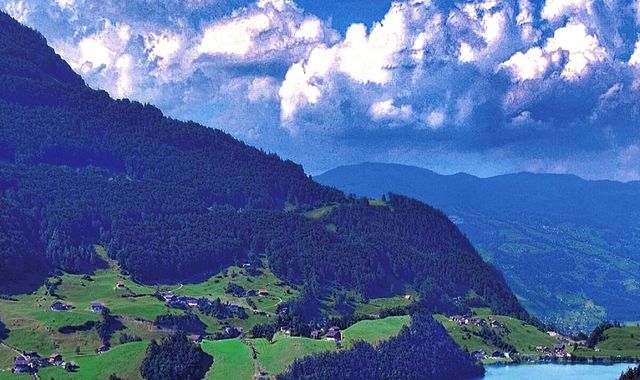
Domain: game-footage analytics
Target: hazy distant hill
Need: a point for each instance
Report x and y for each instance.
(569, 247)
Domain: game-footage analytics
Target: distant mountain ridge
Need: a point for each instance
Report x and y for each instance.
(568, 246)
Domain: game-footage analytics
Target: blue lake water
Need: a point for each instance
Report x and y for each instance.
(548, 371)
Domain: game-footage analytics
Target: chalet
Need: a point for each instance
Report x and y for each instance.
(55, 359)
(97, 307)
(559, 349)
(71, 366)
(192, 301)
(334, 334)
(497, 355)
(197, 339)
(21, 364)
(120, 284)
(102, 349)
(285, 330)
(315, 334)
(263, 292)
(168, 297)
(59, 306)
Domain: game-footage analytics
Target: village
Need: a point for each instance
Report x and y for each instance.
(492, 328)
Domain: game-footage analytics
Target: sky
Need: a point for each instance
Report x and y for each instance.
(485, 87)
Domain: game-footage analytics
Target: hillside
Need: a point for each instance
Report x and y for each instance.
(546, 233)
(109, 202)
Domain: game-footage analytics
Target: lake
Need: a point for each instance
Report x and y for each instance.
(555, 371)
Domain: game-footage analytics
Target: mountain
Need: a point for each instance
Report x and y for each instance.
(567, 246)
(175, 202)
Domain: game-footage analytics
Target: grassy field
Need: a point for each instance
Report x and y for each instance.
(619, 341)
(275, 357)
(374, 331)
(522, 336)
(123, 360)
(232, 359)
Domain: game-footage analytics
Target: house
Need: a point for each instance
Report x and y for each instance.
(192, 301)
(334, 334)
(246, 265)
(315, 334)
(97, 307)
(21, 364)
(71, 366)
(55, 359)
(58, 306)
(102, 349)
(263, 292)
(407, 297)
(168, 297)
(285, 330)
(478, 355)
(120, 284)
(497, 355)
(197, 339)
(539, 348)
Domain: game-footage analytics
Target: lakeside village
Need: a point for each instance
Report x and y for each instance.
(30, 362)
(559, 351)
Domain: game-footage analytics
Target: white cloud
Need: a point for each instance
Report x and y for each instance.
(634, 60)
(584, 49)
(435, 119)
(386, 109)
(265, 31)
(18, 10)
(556, 9)
(525, 21)
(530, 65)
(162, 46)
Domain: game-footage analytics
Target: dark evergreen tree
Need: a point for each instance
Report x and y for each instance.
(175, 358)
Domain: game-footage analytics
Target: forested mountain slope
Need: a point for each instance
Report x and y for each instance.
(175, 201)
(547, 233)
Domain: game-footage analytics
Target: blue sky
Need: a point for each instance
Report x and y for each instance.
(486, 87)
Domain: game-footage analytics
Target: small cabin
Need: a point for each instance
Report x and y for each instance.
(334, 334)
(120, 284)
(97, 307)
(192, 301)
(58, 306)
(263, 292)
(55, 359)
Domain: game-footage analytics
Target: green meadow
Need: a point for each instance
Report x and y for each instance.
(233, 358)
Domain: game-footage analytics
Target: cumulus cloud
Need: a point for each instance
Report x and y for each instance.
(545, 85)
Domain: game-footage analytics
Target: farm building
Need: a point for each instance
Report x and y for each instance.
(55, 359)
(59, 306)
(334, 334)
(97, 307)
